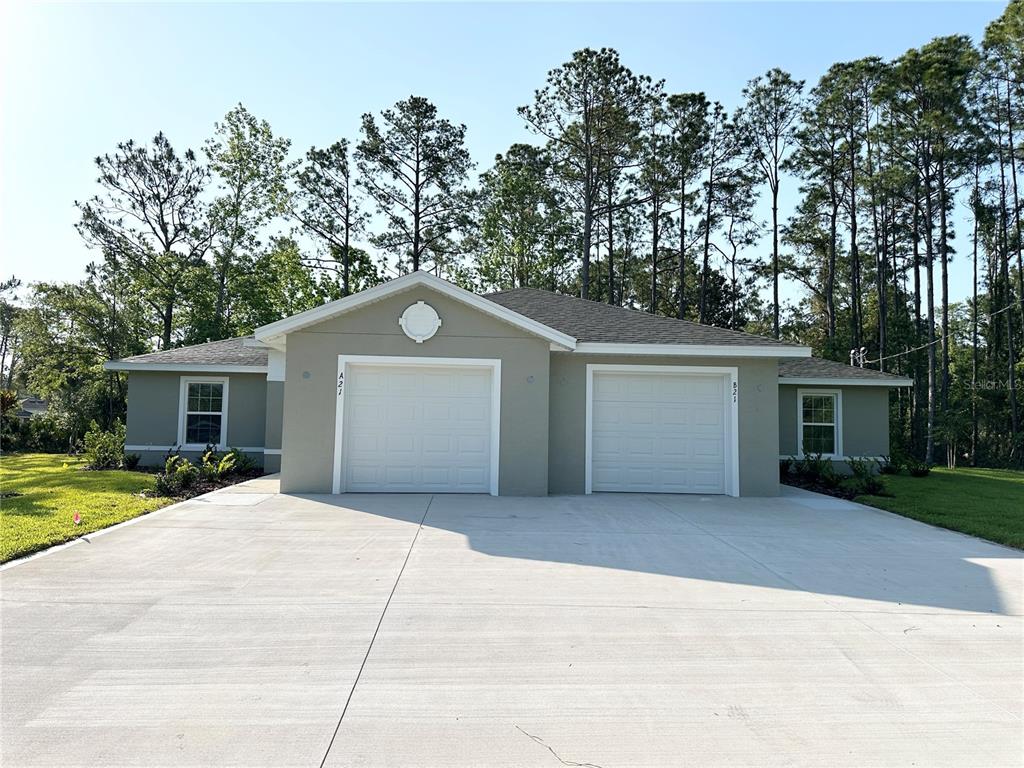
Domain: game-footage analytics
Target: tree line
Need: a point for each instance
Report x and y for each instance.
(624, 193)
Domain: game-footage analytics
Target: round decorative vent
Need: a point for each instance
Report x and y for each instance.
(419, 321)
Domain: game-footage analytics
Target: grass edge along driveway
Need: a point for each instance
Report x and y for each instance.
(988, 503)
(51, 488)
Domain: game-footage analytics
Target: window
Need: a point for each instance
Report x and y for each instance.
(203, 412)
(818, 422)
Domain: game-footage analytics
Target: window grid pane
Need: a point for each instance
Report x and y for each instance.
(204, 415)
(819, 409)
(202, 429)
(205, 398)
(819, 439)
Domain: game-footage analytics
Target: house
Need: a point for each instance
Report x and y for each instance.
(419, 385)
(31, 407)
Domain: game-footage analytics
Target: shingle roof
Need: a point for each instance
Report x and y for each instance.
(226, 352)
(593, 321)
(588, 321)
(818, 368)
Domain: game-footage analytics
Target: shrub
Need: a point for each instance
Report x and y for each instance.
(208, 464)
(814, 470)
(861, 467)
(131, 461)
(171, 461)
(186, 473)
(179, 475)
(241, 463)
(226, 465)
(889, 465)
(918, 468)
(785, 468)
(863, 485)
(104, 450)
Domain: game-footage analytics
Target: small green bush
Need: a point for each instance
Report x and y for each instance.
(813, 468)
(786, 468)
(860, 485)
(179, 475)
(241, 463)
(186, 474)
(918, 468)
(861, 467)
(131, 460)
(889, 465)
(104, 450)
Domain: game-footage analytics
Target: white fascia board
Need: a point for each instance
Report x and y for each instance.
(827, 382)
(123, 365)
(272, 333)
(256, 343)
(691, 350)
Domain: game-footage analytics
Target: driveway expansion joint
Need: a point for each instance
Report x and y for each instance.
(373, 637)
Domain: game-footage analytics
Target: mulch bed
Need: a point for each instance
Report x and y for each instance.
(205, 486)
(838, 491)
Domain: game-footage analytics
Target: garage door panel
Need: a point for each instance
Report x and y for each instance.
(415, 428)
(708, 449)
(658, 432)
(395, 444)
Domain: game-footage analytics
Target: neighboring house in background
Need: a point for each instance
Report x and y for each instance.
(31, 407)
(418, 385)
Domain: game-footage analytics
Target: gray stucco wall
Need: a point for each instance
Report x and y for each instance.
(865, 419)
(274, 417)
(757, 407)
(310, 390)
(152, 419)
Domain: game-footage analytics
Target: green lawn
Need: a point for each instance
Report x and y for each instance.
(982, 502)
(52, 489)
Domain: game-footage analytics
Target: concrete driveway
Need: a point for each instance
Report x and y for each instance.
(253, 629)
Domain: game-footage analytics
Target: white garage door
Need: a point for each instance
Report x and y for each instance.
(417, 429)
(659, 433)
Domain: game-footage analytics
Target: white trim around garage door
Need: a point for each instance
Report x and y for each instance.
(424, 362)
(731, 405)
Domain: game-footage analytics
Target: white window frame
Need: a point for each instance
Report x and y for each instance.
(837, 394)
(731, 406)
(183, 411)
(344, 361)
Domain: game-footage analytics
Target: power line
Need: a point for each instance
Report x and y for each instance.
(938, 340)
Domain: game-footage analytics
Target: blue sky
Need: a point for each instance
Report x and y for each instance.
(76, 79)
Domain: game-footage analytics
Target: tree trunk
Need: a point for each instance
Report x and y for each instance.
(881, 259)
(655, 236)
(855, 308)
(1016, 199)
(929, 451)
(916, 406)
(775, 257)
(944, 255)
(346, 264)
(611, 242)
(1004, 260)
(588, 229)
(168, 322)
(682, 249)
(830, 278)
(974, 330)
(707, 246)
